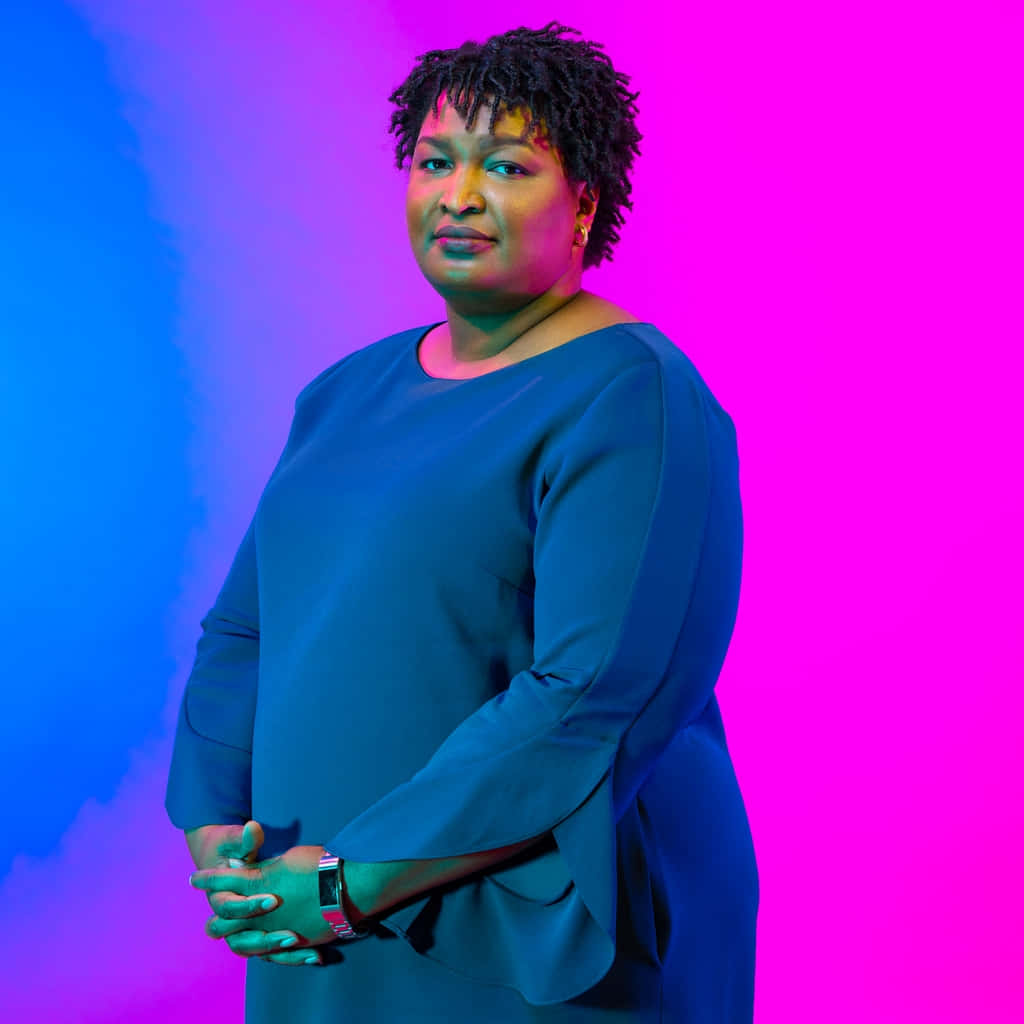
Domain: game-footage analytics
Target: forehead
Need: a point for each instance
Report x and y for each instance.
(443, 120)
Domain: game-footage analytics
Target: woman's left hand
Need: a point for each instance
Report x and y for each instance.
(292, 877)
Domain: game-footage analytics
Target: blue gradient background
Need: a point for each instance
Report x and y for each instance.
(201, 212)
(95, 396)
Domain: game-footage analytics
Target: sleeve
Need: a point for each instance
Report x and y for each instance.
(637, 556)
(210, 776)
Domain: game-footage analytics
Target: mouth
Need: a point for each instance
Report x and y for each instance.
(451, 243)
(469, 234)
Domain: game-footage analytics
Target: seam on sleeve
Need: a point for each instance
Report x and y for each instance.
(703, 548)
(613, 644)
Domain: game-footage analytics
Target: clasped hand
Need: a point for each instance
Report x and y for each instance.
(282, 892)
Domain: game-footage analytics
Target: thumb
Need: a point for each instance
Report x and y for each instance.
(240, 844)
(252, 840)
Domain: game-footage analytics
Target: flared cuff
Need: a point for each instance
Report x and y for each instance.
(209, 783)
(545, 925)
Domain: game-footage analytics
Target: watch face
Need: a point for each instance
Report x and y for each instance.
(328, 878)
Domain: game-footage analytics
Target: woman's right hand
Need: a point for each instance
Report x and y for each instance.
(235, 846)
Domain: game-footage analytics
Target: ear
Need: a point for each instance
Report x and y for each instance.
(587, 197)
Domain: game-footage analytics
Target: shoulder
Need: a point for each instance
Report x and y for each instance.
(644, 352)
(320, 378)
(383, 348)
(594, 312)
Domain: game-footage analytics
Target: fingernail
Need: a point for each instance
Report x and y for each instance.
(290, 941)
(312, 959)
(189, 879)
(268, 904)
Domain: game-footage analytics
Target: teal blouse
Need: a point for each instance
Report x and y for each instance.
(470, 612)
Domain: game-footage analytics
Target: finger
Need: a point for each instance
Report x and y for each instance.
(238, 880)
(256, 943)
(295, 958)
(232, 906)
(217, 927)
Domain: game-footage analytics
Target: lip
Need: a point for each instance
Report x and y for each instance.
(452, 244)
(460, 232)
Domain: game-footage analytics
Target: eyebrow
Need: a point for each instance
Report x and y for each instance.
(486, 141)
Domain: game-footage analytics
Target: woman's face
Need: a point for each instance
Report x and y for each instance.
(515, 193)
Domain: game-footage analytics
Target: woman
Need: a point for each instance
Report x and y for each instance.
(487, 593)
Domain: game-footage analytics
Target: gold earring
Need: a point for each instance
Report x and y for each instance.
(586, 235)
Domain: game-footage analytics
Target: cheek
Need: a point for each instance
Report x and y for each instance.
(540, 237)
(549, 222)
(414, 210)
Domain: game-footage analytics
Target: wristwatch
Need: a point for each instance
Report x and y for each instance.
(331, 899)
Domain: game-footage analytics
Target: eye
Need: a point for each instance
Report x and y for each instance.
(514, 167)
(519, 172)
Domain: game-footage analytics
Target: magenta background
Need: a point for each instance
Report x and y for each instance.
(828, 221)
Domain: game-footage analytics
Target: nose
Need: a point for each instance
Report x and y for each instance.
(462, 195)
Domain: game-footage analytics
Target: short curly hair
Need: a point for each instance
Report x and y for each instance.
(571, 85)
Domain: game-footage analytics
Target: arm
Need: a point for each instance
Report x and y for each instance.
(210, 773)
(209, 780)
(291, 879)
(375, 888)
(202, 843)
(211, 766)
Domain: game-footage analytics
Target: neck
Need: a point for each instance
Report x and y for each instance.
(474, 337)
